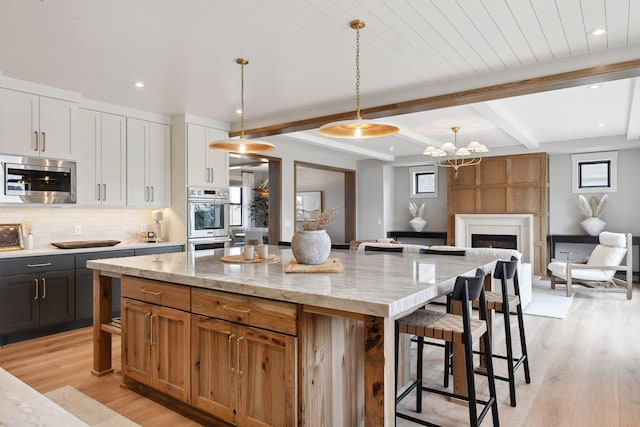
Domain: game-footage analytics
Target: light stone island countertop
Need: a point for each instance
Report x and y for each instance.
(57, 251)
(379, 284)
(21, 405)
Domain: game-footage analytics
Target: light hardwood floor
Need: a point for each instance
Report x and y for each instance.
(585, 371)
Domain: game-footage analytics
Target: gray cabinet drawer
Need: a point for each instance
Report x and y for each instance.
(158, 250)
(36, 264)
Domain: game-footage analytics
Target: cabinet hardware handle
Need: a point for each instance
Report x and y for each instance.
(153, 193)
(104, 191)
(240, 372)
(44, 142)
(211, 175)
(99, 193)
(151, 292)
(151, 332)
(146, 193)
(231, 368)
(144, 331)
(37, 142)
(35, 288)
(44, 288)
(44, 264)
(206, 178)
(226, 307)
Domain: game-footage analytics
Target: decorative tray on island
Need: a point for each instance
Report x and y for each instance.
(85, 244)
(239, 259)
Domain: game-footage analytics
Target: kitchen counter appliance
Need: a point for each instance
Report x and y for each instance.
(207, 218)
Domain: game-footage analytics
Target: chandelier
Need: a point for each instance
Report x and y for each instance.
(450, 156)
(358, 128)
(242, 145)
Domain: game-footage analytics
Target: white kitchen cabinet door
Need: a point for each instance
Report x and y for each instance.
(148, 167)
(206, 167)
(113, 164)
(19, 123)
(159, 165)
(101, 159)
(57, 127)
(37, 126)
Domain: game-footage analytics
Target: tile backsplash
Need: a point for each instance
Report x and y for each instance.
(58, 224)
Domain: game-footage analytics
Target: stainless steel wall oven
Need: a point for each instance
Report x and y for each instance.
(207, 218)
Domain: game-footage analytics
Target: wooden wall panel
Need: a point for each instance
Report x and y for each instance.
(502, 185)
(494, 170)
(492, 200)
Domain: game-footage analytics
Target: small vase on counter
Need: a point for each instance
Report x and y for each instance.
(29, 242)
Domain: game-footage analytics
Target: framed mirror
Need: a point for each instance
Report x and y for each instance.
(308, 205)
(595, 172)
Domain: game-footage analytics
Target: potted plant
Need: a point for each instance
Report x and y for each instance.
(312, 244)
(592, 210)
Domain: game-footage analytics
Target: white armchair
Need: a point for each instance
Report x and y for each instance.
(599, 271)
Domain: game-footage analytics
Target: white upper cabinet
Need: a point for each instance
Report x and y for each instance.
(32, 125)
(101, 154)
(206, 167)
(148, 164)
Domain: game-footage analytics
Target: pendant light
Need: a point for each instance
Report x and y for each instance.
(358, 128)
(242, 145)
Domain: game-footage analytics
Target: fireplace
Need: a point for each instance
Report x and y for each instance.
(503, 241)
(497, 226)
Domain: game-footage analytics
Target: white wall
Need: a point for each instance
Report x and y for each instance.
(370, 199)
(621, 211)
(331, 183)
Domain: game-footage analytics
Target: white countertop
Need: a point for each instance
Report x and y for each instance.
(57, 251)
(21, 405)
(380, 284)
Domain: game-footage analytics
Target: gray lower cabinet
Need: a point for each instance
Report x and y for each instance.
(51, 293)
(36, 292)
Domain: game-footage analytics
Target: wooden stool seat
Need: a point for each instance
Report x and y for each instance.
(494, 301)
(442, 326)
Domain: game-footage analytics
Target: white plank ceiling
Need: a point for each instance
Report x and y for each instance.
(302, 63)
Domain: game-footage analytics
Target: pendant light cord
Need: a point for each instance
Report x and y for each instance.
(242, 99)
(358, 72)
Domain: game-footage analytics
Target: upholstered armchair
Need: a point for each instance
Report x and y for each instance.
(599, 271)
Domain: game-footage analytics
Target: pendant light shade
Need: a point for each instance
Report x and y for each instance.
(242, 145)
(358, 128)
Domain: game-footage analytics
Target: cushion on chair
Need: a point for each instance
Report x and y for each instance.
(613, 239)
(559, 269)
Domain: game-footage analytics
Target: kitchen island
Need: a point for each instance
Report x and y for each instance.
(329, 336)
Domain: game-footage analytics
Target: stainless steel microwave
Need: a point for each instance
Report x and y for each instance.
(37, 180)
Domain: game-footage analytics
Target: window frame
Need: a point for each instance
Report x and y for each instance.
(610, 158)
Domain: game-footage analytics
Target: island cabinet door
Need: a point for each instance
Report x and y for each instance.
(170, 337)
(136, 338)
(214, 367)
(267, 374)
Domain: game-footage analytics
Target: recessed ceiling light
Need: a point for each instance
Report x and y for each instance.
(598, 32)
(601, 125)
(594, 86)
(391, 148)
(239, 111)
(139, 84)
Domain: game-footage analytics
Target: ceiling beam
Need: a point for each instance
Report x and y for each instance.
(502, 119)
(329, 143)
(633, 127)
(598, 74)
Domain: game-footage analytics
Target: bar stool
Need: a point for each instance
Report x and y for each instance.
(455, 329)
(503, 302)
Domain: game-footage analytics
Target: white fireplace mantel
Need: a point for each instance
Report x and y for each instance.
(520, 225)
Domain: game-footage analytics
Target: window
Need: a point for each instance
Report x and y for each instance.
(595, 172)
(423, 181)
(235, 206)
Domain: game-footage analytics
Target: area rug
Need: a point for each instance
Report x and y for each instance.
(548, 302)
(87, 409)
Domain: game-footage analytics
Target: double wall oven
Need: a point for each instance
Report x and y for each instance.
(207, 218)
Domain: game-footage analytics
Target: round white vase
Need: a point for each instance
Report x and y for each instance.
(311, 247)
(418, 223)
(593, 226)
